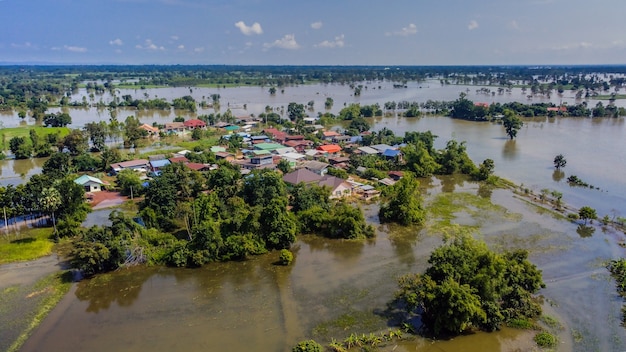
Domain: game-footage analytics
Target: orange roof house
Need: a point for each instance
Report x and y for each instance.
(329, 148)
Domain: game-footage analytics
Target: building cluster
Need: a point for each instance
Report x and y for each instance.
(310, 160)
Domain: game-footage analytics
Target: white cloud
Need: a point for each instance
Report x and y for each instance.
(472, 25)
(25, 45)
(513, 25)
(174, 37)
(255, 28)
(286, 42)
(181, 47)
(574, 46)
(198, 50)
(75, 49)
(337, 43)
(316, 25)
(149, 45)
(116, 41)
(405, 31)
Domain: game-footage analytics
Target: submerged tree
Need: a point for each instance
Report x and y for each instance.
(511, 123)
(559, 161)
(469, 286)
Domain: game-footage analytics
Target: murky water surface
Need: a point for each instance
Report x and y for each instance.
(335, 288)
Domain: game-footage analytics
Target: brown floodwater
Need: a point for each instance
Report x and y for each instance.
(335, 288)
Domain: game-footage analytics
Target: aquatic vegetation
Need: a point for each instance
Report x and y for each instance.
(545, 339)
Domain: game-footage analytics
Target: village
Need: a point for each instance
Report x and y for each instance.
(309, 162)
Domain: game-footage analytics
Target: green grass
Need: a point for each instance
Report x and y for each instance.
(24, 131)
(53, 287)
(30, 244)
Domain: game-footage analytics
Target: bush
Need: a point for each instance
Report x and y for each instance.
(286, 257)
(308, 346)
(545, 339)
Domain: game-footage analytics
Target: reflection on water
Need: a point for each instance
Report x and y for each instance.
(509, 151)
(332, 289)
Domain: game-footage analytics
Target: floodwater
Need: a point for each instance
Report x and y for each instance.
(335, 288)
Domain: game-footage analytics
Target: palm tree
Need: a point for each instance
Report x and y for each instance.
(50, 202)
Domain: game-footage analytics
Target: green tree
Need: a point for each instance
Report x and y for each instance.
(587, 213)
(307, 346)
(485, 169)
(129, 183)
(403, 204)
(57, 166)
(76, 142)
(418, 160)
(20, 148)
(295, 111)
(278, 225)
(463, 108)
(60, 119)
(467, 285)
(511, 123)
(97, 132)
(50, 203)
(559, 162)
(261, 186)
(132, 132)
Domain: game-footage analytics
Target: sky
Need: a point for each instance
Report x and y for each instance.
(321, 32)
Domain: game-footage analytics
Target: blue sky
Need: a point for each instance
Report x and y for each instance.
(322, 32)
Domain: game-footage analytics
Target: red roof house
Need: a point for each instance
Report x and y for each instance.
(194, 123)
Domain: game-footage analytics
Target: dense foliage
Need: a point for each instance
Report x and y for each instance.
(468, 286)
(403, 204)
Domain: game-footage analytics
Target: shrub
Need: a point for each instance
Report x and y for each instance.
(545, 339)
(286, 257)
(307, 346)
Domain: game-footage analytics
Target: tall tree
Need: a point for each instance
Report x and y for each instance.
(511, 123)
(50, 203)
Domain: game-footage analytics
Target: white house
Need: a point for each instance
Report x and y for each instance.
(90, 183)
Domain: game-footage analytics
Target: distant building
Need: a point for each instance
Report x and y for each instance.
(141, 165)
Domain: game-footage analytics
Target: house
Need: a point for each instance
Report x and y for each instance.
(298, 145)
(270, 147)
(152, 131)
(198, 166)
(329, 148)
(179, 159)
(339, 187)
(194, 123)
(317, 167)
(262, 159)
(157, 165)
(367, 150)
(278, 136)
(338, 160)
(395, 175)
(301, 175)
(341, 139)
(380, 148)
(224, 156)
(141, 165)
(329, 135)
(174, 127)
(90, 183)
(393, 154)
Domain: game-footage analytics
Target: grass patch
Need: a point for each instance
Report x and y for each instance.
(24, 131)
(31, 244)
(446, 207)
(522, 324)
(54, 287)
(551, 322)
(609, 97)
